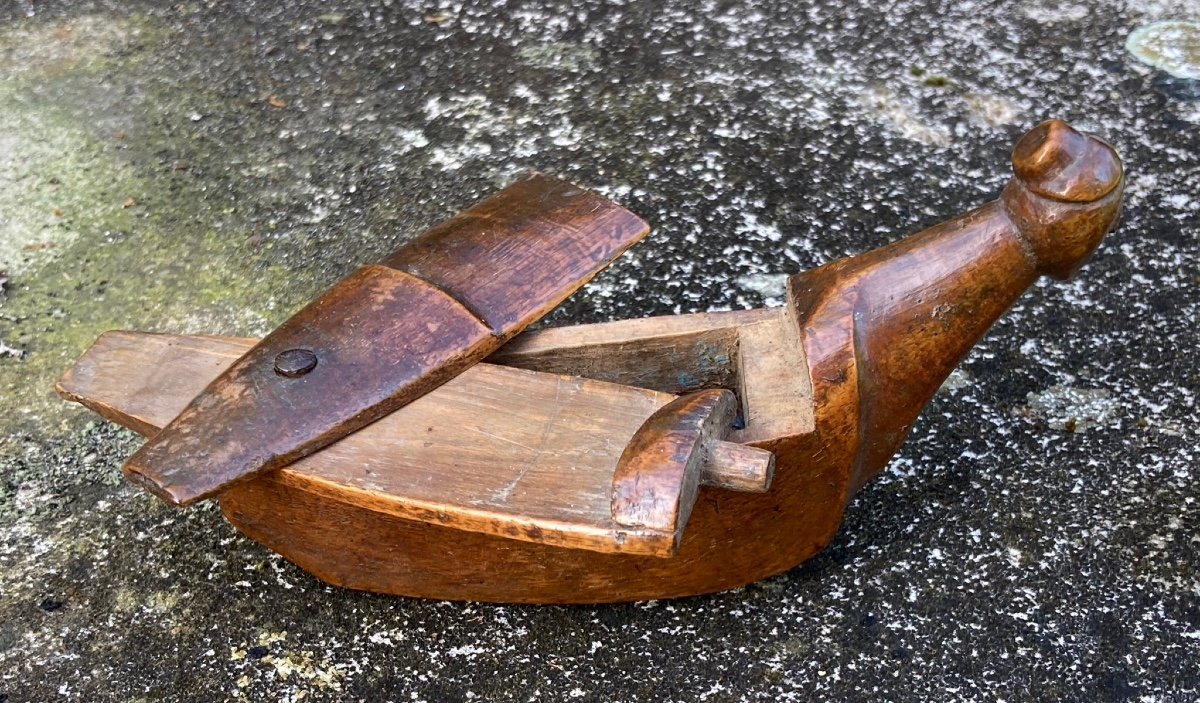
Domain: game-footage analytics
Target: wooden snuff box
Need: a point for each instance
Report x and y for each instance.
(400, 435)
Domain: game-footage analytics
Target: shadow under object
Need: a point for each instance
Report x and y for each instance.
(601, 463)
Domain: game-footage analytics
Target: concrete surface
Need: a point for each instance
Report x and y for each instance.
(208, 167)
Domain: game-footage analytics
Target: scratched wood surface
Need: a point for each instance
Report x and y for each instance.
(251, 418)
(516, 255)
(679, 354)
(497, 450)
(388, 334)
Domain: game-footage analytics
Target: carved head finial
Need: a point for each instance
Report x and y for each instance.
(1057, 162)
(1066, 195)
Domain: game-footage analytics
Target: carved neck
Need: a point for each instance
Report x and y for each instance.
(903, 317)
(883, 330)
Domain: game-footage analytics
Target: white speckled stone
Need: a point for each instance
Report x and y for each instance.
(1000, 558)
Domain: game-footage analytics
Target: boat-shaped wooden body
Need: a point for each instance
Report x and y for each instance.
(646, 458)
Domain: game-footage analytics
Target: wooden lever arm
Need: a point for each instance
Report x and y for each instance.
(387, 334)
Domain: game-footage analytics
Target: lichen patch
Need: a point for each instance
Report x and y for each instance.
(1172, 46)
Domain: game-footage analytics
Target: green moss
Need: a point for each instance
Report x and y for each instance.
(96, 232)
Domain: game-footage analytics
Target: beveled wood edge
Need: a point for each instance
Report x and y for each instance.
(658, 476)
(616, 539)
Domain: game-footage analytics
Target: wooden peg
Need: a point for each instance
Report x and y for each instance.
(677, 449)
(737, 467)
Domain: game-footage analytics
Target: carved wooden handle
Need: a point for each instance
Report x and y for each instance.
(1065, 195)
(884, 329)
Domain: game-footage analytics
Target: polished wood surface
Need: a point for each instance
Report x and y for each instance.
(387, 335)
(508, 452)
(660, 472)
(515, 256)
(919, 305)
(830, 384)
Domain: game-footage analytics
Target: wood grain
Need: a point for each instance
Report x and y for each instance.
(388, 334)
(738, 467)
(504, 451)
(680, 354)
(515, 256)
(752, 352)
(916, 307)
(678, 449)
(250, 417)
(871, 337)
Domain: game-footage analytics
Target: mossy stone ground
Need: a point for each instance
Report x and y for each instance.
(208, 167)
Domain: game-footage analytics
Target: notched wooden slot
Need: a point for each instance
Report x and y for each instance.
(661, 359)
(679, 355)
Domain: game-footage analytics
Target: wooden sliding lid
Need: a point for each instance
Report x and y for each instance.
(387, 334)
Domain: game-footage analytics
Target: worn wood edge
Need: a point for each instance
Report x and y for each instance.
(659, 474)
(619, 224)
(643, 232)
(576, 535)
(617, 539)
(128, 421)
(677, 363)
(776, 384)
(68, 386)
(772, 379)
(563, 339)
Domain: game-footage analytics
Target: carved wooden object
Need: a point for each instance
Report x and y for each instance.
(502, 451)
(388, 334)
(521, 481)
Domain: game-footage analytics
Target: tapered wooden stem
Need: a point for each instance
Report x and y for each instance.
(897, 320)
